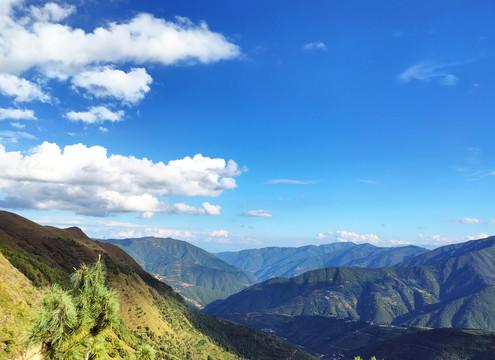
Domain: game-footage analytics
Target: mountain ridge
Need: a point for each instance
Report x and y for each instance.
(288, 262)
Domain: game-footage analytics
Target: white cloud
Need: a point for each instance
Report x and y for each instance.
(219, 236)
(469, 221)
(315, 45)
(428, 71)
(89, 181)
(51, 12)
(18, 125)
(128, 87)
(212, 209)
(207, 209)
(164, 233)
(95, 115)
(21, 90)
(146, 215)
(16, 114)
(257, 213)
(290, 181)
(219, 233)
(347, 236)
(476, 237)
(57, 48)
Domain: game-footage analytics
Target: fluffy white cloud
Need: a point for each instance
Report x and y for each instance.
(54, 47)
(20, 89)
(315, 45)
(207, 209)
(212, 209)
(469, 221)
(95, 115)
(51, 12)
(220, 233)
(257, 213)
(16, 114)
(347, 236)
(290, 181)
(88, 181)
(128, 87)
(428, 71)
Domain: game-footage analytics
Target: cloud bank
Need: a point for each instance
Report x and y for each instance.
(88, 181)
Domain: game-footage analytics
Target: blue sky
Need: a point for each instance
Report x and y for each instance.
(343, 121)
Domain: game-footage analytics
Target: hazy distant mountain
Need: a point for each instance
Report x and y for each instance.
(267, 263)
(197, 275)
(456, 291)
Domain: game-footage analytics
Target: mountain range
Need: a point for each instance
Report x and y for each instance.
(270, 262)
(197, 275)
(334, 311)
(452, 286)
(34, 257)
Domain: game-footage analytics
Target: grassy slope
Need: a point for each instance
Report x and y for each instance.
(288, 262)
(455, 292)
(197, 275)
(18, 299)
(149, 308)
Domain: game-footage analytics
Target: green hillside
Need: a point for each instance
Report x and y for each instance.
(151, 311)
(18, 299)
(456, 292)
(267, 263)
(197, 275)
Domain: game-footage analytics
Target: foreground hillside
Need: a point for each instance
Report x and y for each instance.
(267, 263)
(453, 292)
(151, 311)
(197, 275)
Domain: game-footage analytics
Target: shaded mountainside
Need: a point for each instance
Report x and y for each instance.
(437, 344)
(326, 337)
(267, 263)
(197, 275)
(456, 292)
(151, 311)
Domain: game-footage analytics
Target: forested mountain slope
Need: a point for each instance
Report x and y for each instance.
(197, 275)
(454, 292)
